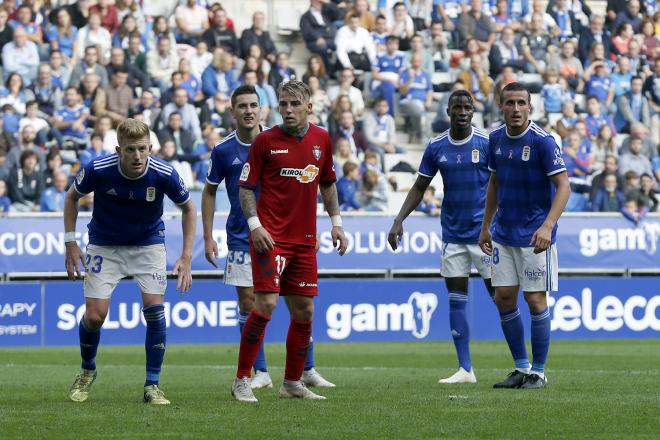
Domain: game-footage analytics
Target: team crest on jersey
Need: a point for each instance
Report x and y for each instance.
(151, 194)
(317, 152)
(245, 172)
(475, 156)
(80, 177)
(304, 175)
(525, 153)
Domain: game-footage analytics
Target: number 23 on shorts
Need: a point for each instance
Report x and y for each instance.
(97, 261)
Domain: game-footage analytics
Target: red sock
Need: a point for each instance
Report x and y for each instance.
(251, 340)
(297, 344)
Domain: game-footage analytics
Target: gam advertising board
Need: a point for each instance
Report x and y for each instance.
(33, 314)
(37, 244)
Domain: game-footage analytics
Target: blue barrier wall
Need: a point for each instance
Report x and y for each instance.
(37, 244)
(346, 310)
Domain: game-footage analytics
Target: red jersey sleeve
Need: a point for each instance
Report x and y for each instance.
(252, 169)
(328, 167)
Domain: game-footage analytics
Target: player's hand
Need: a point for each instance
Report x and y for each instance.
(184, 277)
(211, 251)
(396, 232)
(542, 239)
(486, 242)
(339, 239)
(262, 241)
(74, 255)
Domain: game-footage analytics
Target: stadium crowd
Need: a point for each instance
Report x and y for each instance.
(72, 70)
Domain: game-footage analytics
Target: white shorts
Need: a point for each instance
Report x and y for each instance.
(457, 260)
(107, 265)
(238, 271)
(520, 266)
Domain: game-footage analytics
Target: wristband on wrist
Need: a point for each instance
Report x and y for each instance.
(253, 223)
(336, 221)
(69, 236)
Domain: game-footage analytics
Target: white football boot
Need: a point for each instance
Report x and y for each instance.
(297, 389)
(261, 379)
(242, 391)
(312, 378)
(461, 376)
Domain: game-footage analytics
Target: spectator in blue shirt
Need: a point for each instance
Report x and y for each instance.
(347, 187)
(63, 34)
(218, 76)
(429, 204)
(5, 202)
(599, 84)
(71, 119)
(93, 152)
(595, 118)
(608, 198)
(552, 91)
(416, 96)
(622, 78)
(52, 199)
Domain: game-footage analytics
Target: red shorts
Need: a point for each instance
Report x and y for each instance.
(288, 268)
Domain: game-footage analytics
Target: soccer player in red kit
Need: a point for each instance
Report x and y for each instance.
(289, 163)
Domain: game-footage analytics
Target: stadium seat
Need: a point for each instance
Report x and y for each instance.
(537, 107)
(393, 159)
(441, 78)
(404, 181)
(287, 18)
(553, 118)
(395, 201)
(478, 120)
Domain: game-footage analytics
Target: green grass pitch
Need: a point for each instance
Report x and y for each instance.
(597, 389)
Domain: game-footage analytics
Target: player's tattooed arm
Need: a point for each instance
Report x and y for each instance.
(261, 239)
(248, 202)
(330, 198)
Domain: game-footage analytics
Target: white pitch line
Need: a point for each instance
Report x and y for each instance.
(365, 368)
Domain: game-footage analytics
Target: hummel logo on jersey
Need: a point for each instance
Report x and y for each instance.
(111, 191)
(279, 151)
(237, 161)
(306, 175)
(498, 151)
(443, 158)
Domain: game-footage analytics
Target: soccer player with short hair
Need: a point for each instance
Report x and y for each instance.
(460, 154)
(529, 189)
(227, 159)
(126, 238)
(289, 163)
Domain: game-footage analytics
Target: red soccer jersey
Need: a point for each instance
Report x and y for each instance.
(288, 172)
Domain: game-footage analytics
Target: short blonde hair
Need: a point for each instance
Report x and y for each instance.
(131, 129)
(296, 88)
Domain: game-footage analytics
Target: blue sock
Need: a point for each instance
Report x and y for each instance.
(512, 326)
(460, 330)
(89, 344)
(260, 361)
(154, 342)
(310, 361)
(540, 339)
